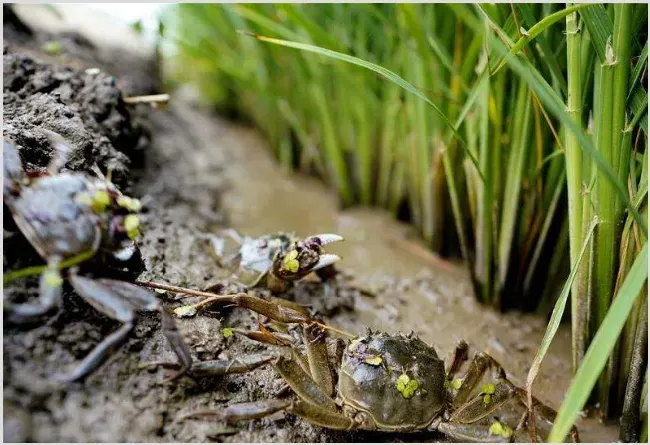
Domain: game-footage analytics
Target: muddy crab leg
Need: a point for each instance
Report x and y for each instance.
(218, 367)
(478, 366)
(49, 295)
(263, 408)
(242, 411)
(457, 359)
(314, 405)
(471, 420)
(318, 357)
(120, 301)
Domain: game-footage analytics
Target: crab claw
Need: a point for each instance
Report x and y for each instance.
(324, 239)
(305, 256)
(326, 259)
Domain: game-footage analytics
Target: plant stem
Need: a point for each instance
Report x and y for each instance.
(614, 78)
(484, 195)
(630, 422)
(573, 158)
(605, 199)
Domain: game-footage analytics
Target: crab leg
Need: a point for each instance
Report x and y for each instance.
(175, 339)
(318, 415)
(110, 304)
(120, 300)
(49, 295)
(271, 309)
(257, 410)
(219, 367)
(243, 411)
(479, 365)
(460, 355)
(498, 412)
(302, 383)
(318, 358)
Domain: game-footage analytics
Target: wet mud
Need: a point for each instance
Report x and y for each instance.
(197, 174)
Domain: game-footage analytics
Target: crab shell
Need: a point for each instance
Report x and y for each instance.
(369, 382)
(51, 219)
(57, 223)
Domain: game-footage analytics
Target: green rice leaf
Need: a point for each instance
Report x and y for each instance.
(558, 311)
(537, 29)
(379, 70)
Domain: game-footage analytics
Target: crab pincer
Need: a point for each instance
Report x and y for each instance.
(277, 260)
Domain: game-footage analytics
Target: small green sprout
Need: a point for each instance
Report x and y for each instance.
(52, 47)
(374, 360)
(456, 384)
(131, 204)
(84, 198)
(52, 278)
(100, 201)
(498, 429)
(355, 343)
(131, 225)
(227, 332)
(407, 386)
(488, 389)
(290, 261)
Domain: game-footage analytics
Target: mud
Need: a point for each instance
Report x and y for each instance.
(198, 174)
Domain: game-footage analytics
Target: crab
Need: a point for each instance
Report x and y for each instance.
(70, 217)
(382, 382)
(276, 260)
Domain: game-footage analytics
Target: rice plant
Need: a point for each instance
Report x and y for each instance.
(515, 135)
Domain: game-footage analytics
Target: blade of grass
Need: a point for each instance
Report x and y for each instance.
(389, 75)
(484, 229)
(511, 201)
(537, 29)
(548, 219)
(547, 55)
(556, 317)
(600, 347)
(335, 159)
(600, 28)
